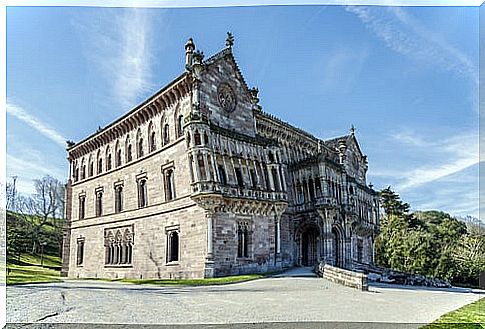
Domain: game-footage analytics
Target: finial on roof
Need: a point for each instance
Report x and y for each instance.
(352, 130)
(229, 40)
(198, 57)
(70, 143)
(254, 94)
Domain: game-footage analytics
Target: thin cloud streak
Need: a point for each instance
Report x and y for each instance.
(405, 35)
(21, 114)
(120, 45)
(458, 152)
(28, 170)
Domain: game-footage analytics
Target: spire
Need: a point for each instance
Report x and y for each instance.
(229, 40)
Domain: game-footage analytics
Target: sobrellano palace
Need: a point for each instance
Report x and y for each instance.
(198, 181)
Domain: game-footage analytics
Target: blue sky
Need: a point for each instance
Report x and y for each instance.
(406, 77)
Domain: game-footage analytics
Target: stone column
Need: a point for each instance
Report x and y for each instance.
(258, 183)
(278, 235)
(263, 180)
(283, 178)
(224, 164)
(214, 167)
(195, 163)
(209, 263)
(206, 166)
(270, 177)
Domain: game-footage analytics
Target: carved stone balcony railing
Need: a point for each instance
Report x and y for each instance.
(326, 202)
(209, 187)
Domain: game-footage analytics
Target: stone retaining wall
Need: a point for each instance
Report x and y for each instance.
(347, 278)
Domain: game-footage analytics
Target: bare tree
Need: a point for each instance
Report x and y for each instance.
(44, 206)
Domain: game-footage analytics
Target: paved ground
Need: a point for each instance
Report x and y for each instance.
(295, 296)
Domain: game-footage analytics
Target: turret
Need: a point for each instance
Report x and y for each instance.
(189, 51)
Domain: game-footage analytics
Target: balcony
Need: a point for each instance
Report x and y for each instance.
(209, 187)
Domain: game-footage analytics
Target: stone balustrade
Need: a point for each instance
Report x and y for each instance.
(345, 277)
(238, 192)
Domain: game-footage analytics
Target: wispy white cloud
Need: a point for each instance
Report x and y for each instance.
(29, 168)
(341, 68)
(446, 157)
(49, 132)
(404, 34)
(120, 45)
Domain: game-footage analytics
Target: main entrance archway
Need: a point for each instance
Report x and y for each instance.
(309, 245)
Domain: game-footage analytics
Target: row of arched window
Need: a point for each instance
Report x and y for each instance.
(142, 192)
(104, 162)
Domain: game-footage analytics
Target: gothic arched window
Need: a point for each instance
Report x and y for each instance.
(180, 127)
(173, 246)
(169, 185)
(166, 134)
(119, 198)
(242, 240)
(99, 203)
(142, 193)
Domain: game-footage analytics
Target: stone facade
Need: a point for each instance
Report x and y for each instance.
(198, 181)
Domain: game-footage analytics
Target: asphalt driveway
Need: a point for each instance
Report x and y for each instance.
(294, 297)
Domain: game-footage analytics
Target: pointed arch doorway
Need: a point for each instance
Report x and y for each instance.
(338, 246)
(309, 245)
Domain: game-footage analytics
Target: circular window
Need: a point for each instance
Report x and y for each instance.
(226, 97)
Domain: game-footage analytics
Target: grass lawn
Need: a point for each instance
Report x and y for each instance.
(31, 272)
(468, 316)
(188, 282)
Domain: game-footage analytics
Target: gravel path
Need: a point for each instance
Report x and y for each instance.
(292, 298)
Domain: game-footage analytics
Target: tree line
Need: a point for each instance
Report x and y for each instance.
(35, 222)
(430, 243)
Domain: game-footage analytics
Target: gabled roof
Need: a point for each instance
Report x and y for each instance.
(227, 53)
(350, 138)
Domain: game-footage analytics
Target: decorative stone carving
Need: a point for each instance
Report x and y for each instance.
(226, 97)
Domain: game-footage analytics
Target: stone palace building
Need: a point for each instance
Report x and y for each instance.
(198, 181)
